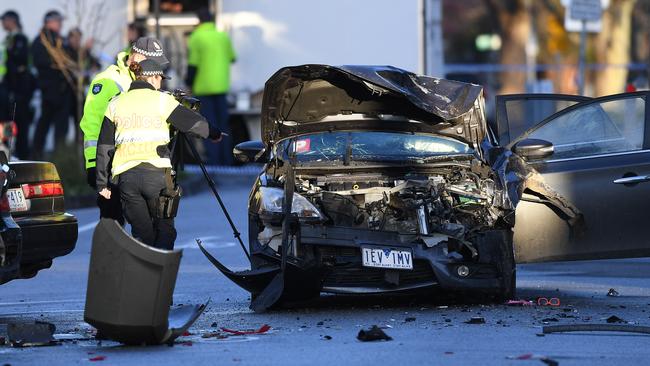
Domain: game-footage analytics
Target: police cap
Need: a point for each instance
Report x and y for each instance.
(152, 49)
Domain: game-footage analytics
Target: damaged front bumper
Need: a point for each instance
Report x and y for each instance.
(328, 259)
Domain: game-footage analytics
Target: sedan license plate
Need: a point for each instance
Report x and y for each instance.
(17, 200)
(382, 257)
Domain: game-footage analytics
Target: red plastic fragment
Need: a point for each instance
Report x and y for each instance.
(263, 329)
(97, 358)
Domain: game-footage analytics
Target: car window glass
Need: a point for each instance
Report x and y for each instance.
(598, 128)
(374, 145)
(523, 114)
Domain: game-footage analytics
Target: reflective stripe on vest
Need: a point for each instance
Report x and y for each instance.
(90, 143)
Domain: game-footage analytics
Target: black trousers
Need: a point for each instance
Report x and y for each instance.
(140, 189)
(55, 109)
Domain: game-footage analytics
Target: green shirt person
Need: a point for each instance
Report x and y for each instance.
(210, 53)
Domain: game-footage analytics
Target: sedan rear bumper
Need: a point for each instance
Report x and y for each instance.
(46, 237)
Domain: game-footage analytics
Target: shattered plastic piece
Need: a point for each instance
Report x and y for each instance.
(596, 328)
(263, 329)
(327, 338)
(549, 361)
(613, 293)
(97, 358)
(31, 334)
(476, 320)
(373, 334)
(130, 287)
(519, 303)
(615, 319)
(543, 301)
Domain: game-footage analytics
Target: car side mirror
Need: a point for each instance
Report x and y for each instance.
(250, 152)
(533, 149)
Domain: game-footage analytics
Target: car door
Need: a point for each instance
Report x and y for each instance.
(601, 165)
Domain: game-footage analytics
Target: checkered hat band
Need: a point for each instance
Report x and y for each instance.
(152, 73)
(147, 53)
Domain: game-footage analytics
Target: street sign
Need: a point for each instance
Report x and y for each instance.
(575, 25)
(585, 10)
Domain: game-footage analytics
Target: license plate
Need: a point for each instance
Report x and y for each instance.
(382, 257)
(17, 200)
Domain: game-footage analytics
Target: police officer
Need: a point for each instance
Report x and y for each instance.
(133, 141)
(17, 80)
(107, 84)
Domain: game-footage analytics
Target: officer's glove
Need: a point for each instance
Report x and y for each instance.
(91, 177)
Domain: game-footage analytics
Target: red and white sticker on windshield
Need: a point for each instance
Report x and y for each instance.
(303, 145)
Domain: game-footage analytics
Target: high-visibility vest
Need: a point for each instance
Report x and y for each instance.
(105, 85)
(141, 128)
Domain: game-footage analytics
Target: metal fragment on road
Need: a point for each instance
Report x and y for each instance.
(31, 334)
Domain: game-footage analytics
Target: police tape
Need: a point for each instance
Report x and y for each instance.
(242, 170)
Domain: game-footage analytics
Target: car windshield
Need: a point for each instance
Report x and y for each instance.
(374, 146)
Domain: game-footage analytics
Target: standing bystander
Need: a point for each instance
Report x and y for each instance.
(55, 81)
(210, 54)
(17, 81)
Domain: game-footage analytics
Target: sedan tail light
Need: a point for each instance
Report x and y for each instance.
(4, 204)
(42, 190)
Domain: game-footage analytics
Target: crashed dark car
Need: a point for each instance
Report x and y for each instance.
(399, 183)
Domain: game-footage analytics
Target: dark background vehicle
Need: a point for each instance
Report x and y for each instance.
(33, 202)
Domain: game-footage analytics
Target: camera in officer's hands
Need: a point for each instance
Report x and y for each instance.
(188, 101)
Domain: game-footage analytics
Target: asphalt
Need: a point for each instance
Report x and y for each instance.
(425, 330)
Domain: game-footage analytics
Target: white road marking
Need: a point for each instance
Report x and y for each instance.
(87, 227)
(40, 302)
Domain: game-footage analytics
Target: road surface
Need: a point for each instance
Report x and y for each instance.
(424, 330)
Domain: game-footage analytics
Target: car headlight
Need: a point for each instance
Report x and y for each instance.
(271, 203)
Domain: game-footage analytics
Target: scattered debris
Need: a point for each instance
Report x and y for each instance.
(373, 334)
(519, 303)
(615, 319)
(547, 320)
(214, 325)
(327, 338)
(409, 319)
(596, 328)
(613, 293)
(97, 358)
(31, 334)
(543, 301)
(263, 329)
(217, 335)
(476, 320)
(319, 324)
(530, 356)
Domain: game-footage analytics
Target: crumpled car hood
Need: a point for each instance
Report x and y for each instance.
(304, 99)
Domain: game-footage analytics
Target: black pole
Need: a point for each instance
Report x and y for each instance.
(213, 187)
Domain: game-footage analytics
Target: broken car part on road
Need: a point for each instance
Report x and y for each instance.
(130, 288)
(397, 185)
(626, 328)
